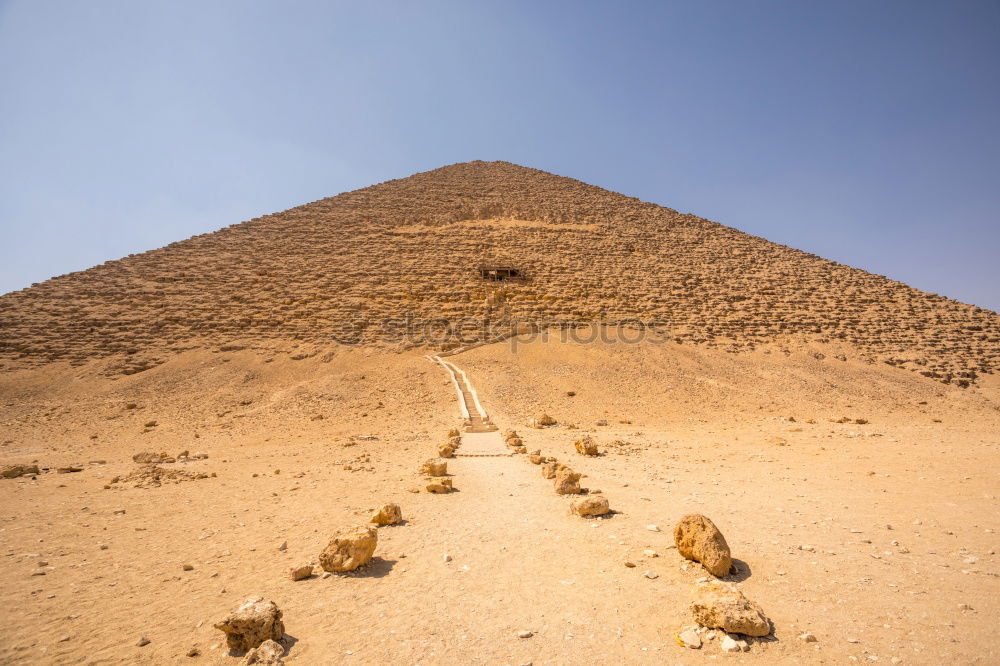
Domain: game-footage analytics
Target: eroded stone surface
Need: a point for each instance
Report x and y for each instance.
(269, 653)
(435, 467)
(720, 605)
(591, 506)
(251, 624)
(388, 514)
(567, 482)
(349, 550)
(439, 484)
(697, 538)
(586, 446)
(14, 471)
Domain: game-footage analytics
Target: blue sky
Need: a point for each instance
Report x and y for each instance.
(865, 132)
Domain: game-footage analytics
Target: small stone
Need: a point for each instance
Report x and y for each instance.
(187, 567)
(446, 557)
(653, 528)
(284, 546)
(690, 639)
(652, 575)
(434, 467)
(388, 514)
(301, 573)
(650, 553)
(268, 653)
(853, 640)
(439, 485)
(545, 420)
(728, 644)
(567, 482)
(14, 471)
(630, 565)
(807, 638)
(525, 634)
(586, 446)
(193, 652)
(590, 506)
(142, 642)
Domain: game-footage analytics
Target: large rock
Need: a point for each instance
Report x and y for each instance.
(698, 539)
(14, 471)
(567, 482)
(719, 605)
(251, 624)
(151, 457)
(590, 506)
(349, 550)
(586, 446)
(269, 653)
(446, 451)
(435, 467)
(439, 484)
(389, 514)
(549, 469)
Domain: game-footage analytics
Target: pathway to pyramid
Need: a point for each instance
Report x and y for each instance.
(481, 437)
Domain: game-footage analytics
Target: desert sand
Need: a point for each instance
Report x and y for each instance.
(878, 539)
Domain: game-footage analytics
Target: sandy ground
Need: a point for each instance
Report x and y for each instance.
(878, 538)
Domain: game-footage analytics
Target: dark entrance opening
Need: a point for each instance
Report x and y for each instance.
(500, 273)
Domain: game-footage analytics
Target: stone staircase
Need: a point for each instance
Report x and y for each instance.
(476, 419)
(482, 436)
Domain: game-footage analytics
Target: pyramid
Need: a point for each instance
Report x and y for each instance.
(463, 253)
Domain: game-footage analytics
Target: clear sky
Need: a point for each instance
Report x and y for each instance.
(867, 131)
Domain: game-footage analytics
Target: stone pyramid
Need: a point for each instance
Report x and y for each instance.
(474, 249)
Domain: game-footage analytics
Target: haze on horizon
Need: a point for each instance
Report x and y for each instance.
(865, 133)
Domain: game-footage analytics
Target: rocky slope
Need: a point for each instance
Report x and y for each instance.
(397, 263)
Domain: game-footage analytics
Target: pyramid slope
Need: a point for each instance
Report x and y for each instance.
(355, 266)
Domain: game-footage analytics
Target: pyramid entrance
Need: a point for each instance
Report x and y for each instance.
(495, 273)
